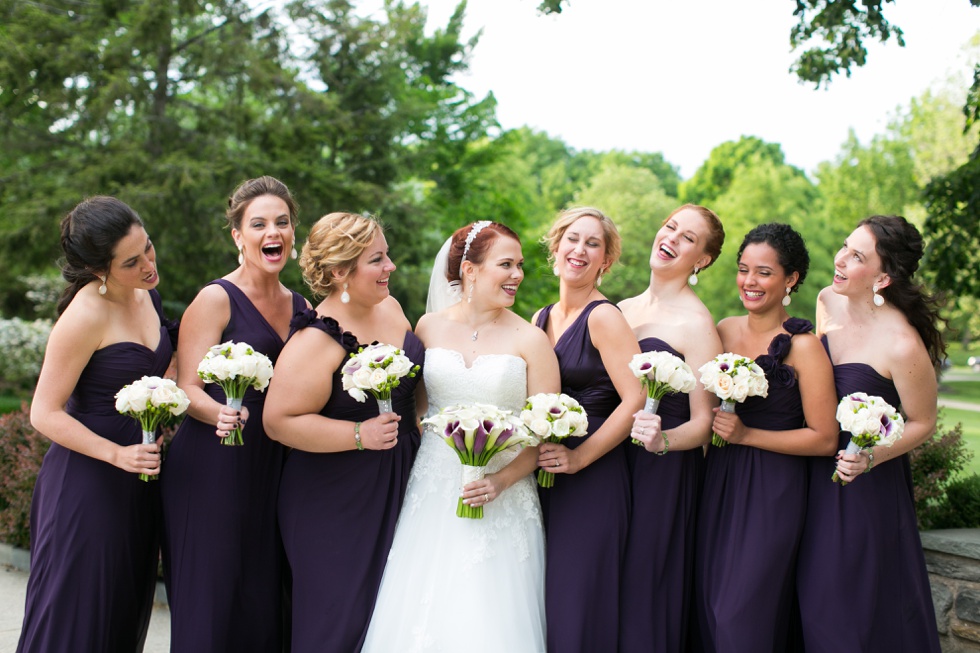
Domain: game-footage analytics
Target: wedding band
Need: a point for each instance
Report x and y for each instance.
(557, 463)
(486, 498)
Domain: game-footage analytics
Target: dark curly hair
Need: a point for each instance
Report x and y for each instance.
(89, 235)
(789, 245)
(899, 246)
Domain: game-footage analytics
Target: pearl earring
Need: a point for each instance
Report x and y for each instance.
(102, 288)
(292, 253)
(554, 269)
(878, 299)
(693, 279)
(345, 296)
(787, 300)
(598, 280)
(241, 256)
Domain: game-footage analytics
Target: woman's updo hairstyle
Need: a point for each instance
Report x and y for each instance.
(565, 219)
(89, 235)
(331, 251)
(899, 246)
(789, 245)
(479, 246)
(716, 232)
(248, 190)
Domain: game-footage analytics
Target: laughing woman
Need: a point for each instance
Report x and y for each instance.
(669, 316)
(862, 576)
(586, 513)
(94, 524)
(753, 504)
(221, 551)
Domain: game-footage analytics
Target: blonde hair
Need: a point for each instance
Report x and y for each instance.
(565, 219)
(333, 246)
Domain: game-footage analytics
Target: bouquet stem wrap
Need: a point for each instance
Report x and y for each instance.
(384, 404)
(852, 447)
(726, 407)
(651, 406)
(234, 439)
(470, 473)
(149, 437)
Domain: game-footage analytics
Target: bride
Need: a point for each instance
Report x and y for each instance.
(455, 584)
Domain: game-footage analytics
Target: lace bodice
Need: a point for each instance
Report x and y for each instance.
(498, 379)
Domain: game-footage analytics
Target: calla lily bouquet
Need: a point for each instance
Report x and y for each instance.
(377, 370)
(477, 433)
(732, 378)
(870, 420)
(151, 401)
(235, 367)
(661, 373)
(552, 418)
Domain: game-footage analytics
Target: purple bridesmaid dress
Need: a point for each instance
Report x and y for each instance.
(337, 511)
(658, 569)
(585, 514)
(221, 549)
(750, 523)
(862, 577)
(95, 527)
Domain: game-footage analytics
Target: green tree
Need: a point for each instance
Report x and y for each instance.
(715, 175)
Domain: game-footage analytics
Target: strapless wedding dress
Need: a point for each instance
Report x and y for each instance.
(454, 584)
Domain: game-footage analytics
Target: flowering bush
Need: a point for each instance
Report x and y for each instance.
(21, 451)
(22, 344)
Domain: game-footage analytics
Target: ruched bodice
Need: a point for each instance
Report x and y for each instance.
(782, 408)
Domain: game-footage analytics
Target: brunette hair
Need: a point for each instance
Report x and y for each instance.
(565, 219)
(334, 245)
(789, 245)
(248, 190)
(89, 235)
(716, 232)
(899, 246)
(479, 246)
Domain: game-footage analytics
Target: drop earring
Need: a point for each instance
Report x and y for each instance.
(878, 299)
(102, 288)
(554, 269)
(693, 279)
(345, 296)
(787, 300)
(598, 280)
(241, 255)
(469, 293)
(292, 253)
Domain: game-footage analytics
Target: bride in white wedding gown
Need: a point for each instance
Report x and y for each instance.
(454, 584)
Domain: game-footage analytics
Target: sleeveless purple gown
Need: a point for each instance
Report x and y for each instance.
(862, 577)
(95, 527)
(658, 569)
(221, 550)
(586, 515)
(750, 523)
(337, 511)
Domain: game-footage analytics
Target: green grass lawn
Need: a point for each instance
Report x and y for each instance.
(9, 403)
(961, 390)
(970, 420)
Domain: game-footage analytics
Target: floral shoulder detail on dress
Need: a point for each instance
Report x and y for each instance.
(309, 318)
(772, 362)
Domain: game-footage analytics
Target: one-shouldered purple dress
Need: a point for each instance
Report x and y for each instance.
(221, 550)
(658, 569)
(586, 515)
(750, 522)
(862, 577)
(94, 527)
(337, 511)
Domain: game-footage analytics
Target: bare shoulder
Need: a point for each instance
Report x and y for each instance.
(392, 310)
(210, 298)
(528, 335)
(627, 304)
(84, 320)
(728, 326)
(808, 345)
(608, 316)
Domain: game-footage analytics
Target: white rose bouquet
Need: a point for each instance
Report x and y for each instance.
(376, 369)
(235, 367)
(477, 433)
(551, 418)
(732, 378)
(152, 401)
(661, 374)
(870, 420)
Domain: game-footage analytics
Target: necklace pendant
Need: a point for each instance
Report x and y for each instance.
(474, 336)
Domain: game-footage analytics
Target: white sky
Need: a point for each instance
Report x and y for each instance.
(682, 76)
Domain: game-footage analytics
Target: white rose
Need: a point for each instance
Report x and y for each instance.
(740, 389)
(362, 378)
(379, 379)
(138, 398)
(240, 350)
(724, 386)
(164, 394)
(540, 427)
(561, 427)
(263, 373)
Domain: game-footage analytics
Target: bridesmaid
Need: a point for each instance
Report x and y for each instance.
(754, 499)
(862, 578)
(344, 481)
(586, 513)
(94, 524)
(222, 555)
(669, 316)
